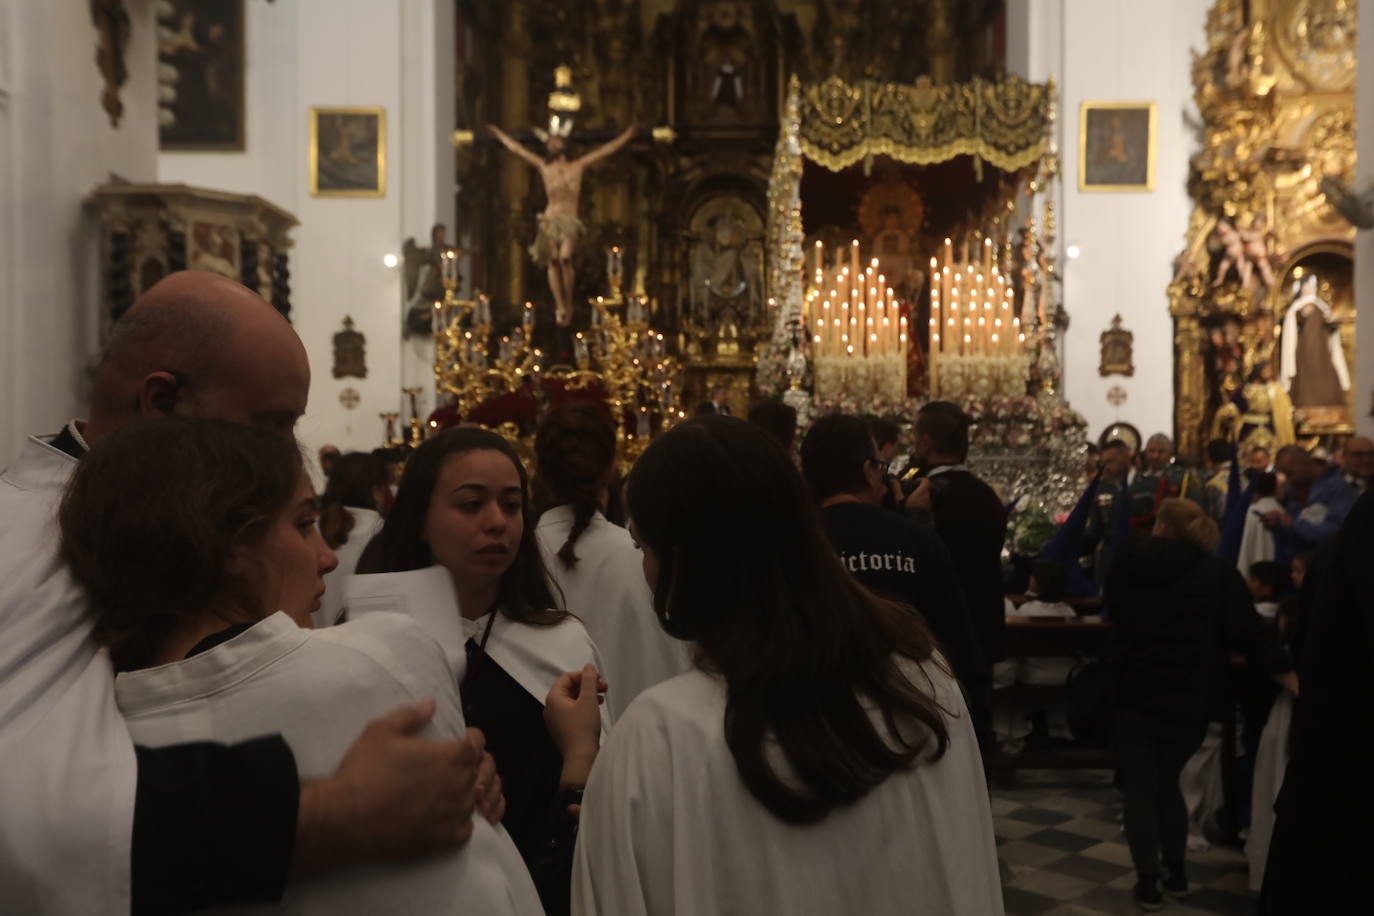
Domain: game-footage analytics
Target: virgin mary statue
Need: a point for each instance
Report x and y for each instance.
(1312, 362)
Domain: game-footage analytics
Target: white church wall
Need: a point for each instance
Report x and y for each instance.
(1364, 241)
(325, 53)
(56, 145)
(1117, 50)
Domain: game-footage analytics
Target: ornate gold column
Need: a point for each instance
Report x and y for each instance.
(515, 174)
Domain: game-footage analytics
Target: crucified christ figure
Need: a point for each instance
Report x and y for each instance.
(559, 227)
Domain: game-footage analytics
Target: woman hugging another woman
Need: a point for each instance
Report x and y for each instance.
(198, 544)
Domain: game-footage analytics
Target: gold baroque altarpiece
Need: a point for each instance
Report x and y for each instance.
(1275, 89)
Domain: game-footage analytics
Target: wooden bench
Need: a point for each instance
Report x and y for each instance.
(1051, 636)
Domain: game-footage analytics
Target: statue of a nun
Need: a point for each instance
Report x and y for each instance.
(1311, 357)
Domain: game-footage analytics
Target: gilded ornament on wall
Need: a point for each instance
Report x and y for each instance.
(1275, 89)
(1117, 351)
(350, 352)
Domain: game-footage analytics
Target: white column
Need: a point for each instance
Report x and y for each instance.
(425, 131)
(56, 145)
(1364, 241)
(1119, 50)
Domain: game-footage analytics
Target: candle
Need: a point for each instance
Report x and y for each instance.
(854, 256)
(819, 254)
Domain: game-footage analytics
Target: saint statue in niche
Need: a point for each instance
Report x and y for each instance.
(559, 227)
(424, 280)
(1312, 364)
(727, 285)
(727, 52)
(1263, 412)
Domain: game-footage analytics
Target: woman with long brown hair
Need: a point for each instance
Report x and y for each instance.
(593, 562)
(819, 758)
(461, 535)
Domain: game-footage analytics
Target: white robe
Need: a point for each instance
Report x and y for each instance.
(67, 767)
(318, 689)
(1257, 541)
(607, 591)
(1271, 763)
(534, 657)
(366, 524)
(668, 827)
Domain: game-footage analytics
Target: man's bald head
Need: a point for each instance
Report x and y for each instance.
(199, 344)
(1359, 457)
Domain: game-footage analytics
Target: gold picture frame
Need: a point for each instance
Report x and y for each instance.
(352, 142)
(1116, 146)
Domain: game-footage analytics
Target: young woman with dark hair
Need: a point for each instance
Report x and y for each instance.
(461, 533)
(355, 499)
(594, 563)
(197, 542)
(819, 758)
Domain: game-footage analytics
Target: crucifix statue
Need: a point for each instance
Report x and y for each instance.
(559, 228)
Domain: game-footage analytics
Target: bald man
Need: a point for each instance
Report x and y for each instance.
(88, 823)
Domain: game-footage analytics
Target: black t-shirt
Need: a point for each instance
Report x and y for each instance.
(904, 561)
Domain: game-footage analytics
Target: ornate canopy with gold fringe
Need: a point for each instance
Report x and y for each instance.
(1003, 123)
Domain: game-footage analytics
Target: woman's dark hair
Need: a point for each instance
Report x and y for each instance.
(524, 595)
(833, 455)
(809, 656)
(575, 453)
(1218, 451)
(352, 483)
(151, 520)
(1274, 575)
(1267, 484)
(779, 419)
(884, 431)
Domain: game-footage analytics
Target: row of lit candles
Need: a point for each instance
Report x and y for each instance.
(853, 312)
(972, 306)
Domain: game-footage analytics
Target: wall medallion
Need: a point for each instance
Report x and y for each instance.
(350, 352)
(1117, 351)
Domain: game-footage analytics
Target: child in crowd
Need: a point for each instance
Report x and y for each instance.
(1268, 582)
(1045, 599)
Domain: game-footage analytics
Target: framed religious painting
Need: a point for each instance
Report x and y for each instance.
(347, 152)
(200, 75)
(1116, 146)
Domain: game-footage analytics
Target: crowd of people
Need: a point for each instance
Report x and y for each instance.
(756, 674)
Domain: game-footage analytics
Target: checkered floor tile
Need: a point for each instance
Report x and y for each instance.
(1062, 852)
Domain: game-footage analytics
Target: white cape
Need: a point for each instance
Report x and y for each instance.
(534, 656)
(668, 828)
(607, 591)
(366, 524)
(318, 689)
(67, 768)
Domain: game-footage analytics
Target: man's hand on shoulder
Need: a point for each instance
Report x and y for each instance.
(395, 797)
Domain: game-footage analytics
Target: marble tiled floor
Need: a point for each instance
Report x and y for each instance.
(1062, 852)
